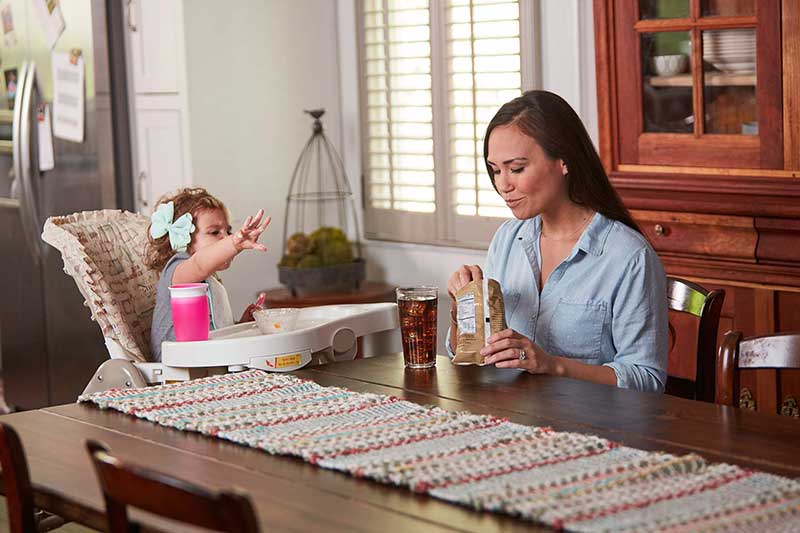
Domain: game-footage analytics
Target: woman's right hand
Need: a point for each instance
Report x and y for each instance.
(458, 280)
(461, 277)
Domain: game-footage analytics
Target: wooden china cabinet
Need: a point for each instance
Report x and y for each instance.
(699, 115)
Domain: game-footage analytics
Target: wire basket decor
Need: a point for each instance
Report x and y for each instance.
(321, 246)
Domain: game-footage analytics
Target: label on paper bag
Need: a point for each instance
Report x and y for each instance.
(481, 314)
(466, 313)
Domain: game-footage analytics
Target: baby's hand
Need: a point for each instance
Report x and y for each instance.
(247, 237)
(247, 316)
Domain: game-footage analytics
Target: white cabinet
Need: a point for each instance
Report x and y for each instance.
(157, 84)
(154, 45)
(159, 134)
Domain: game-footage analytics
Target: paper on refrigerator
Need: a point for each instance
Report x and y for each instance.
(9, 35)
(46, 154)
(68, 96)
(51, 19)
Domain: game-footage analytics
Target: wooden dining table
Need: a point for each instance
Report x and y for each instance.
(289, 494)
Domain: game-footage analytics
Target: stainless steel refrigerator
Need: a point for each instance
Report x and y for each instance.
(49, 347)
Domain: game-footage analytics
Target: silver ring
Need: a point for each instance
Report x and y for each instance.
(522, 355)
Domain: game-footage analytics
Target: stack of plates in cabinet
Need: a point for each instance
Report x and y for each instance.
(730, 50)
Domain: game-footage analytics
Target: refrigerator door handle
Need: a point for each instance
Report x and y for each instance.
(21, 133)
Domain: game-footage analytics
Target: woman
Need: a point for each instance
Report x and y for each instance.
(585, 293)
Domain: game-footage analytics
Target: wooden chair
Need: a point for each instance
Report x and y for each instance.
(779, 350)
(686, 297)
(22, 515)
(125, 484)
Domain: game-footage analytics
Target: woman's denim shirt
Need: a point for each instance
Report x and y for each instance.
(604, 304)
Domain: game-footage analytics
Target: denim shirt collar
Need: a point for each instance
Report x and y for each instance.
(592, 241)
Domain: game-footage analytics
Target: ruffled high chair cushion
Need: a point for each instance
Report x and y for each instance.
(103, 251)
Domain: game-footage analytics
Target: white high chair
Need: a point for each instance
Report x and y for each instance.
(103, 251)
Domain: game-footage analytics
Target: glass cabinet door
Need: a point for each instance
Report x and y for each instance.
(696, 84)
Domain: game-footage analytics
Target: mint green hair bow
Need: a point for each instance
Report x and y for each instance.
(180, 231)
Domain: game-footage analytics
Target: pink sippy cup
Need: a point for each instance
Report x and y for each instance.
(189, 302)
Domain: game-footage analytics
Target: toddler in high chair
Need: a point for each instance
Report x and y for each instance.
(189, 241)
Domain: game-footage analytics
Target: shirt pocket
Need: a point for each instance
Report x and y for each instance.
(576, 329)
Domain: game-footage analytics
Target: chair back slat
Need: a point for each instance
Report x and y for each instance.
(16, 481)
(772, 351)
(684, 296)
(777, 351)
(131, 485)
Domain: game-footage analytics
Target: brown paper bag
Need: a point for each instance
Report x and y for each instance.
(481, 314)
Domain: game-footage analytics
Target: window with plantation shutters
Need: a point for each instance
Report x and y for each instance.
(433, 73)
(399, 110)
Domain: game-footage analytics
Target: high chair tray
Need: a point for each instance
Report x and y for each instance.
(317, 328)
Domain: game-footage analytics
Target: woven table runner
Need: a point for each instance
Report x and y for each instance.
(565, 480)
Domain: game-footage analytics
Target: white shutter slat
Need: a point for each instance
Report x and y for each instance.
(476, 2)
(484, 46)
(410, 49)
(418, 207)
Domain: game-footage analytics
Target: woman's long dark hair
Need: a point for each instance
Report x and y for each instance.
(553, 124)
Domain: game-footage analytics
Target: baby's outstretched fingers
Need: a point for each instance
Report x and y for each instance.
(252, 222)
(247, 237)
(264, 224)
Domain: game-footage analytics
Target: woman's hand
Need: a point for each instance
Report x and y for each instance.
(509, 349)
(247, 237)
(461, 277)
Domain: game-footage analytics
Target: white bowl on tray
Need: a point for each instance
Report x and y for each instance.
(278, 320)
(669, 65)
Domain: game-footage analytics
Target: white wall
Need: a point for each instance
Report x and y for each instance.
(252, 67)
(567, 67)
(567, 44)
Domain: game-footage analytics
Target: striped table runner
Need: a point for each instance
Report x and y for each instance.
(565, 480)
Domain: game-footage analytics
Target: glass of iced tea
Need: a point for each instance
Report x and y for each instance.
(417, 309)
